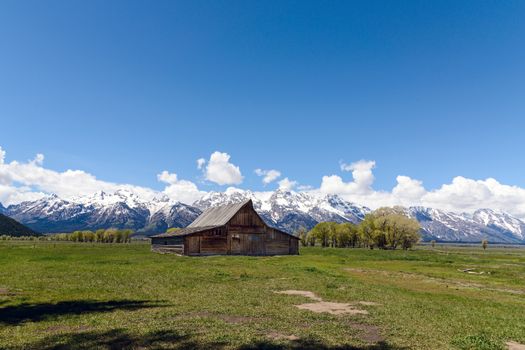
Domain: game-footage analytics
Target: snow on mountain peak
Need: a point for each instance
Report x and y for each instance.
(284, 209)
(494, 218)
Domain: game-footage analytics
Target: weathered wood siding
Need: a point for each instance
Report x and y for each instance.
(278, 243)
(168, 245)
(294, 246)
(244, 234)
(211, 245)
(247, 219)
(210, 242)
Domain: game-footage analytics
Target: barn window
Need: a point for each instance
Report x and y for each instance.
(165, 242)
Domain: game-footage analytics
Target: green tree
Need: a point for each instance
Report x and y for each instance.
(119, 237)
(302, 233)
(311, 238)
(409, 229)
(323, 232)
(366, 230)
(127, 235)
(343, 234)
(99, 235)
(389, 228)
(88, 236)
(76, 236)
(109, 236)
(354, 235)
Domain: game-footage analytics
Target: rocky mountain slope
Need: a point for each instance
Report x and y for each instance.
(483, 224)
(287, 210)
(103, 210)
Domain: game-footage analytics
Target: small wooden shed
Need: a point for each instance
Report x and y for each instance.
(234, 229)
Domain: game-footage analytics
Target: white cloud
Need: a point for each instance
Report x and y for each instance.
(220, 171)
(200, 163)
(361, 186)
(468, 195)
(408, 191)
(462, 195)
(12, 195)
(182, 190)
(2, 156)
(20, 181)
(362, 174)
(30, 180)
(268, 175)
(287, 184)
(67, 184)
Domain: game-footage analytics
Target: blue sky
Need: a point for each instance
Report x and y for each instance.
(126, 89)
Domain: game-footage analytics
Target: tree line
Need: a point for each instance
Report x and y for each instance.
(100, 236)
(385, 228)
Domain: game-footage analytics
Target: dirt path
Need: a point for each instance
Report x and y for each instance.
(512, 345)
(369, 334)
(326, 306)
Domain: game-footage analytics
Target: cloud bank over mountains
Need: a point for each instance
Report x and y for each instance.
(462, 195)
(30, 180)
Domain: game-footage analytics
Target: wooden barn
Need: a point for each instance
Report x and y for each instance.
(234, 229)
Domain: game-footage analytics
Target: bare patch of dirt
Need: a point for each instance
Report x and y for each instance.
(368, 333)
(304, 293)
(512, 345)
(279, 336)
(326, 306)
(332, 308)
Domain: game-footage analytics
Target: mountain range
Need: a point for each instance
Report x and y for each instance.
(286, 210)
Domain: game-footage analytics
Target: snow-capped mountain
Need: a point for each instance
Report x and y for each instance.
(121, 209)
(483, 224)
(501, 221)
(287, 210)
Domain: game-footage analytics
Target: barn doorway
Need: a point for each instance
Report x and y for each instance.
(254, 244)
(235, 245)
(194, 245)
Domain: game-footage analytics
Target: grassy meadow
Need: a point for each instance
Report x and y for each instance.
(121, 296)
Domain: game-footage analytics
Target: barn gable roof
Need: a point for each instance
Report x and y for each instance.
(218, 216)
(185, 231)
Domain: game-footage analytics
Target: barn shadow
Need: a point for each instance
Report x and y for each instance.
(169, 339)
(13, 315)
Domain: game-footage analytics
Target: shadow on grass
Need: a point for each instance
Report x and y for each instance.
(168, 339)
(119, 339)
(310, 344)
(13, 315)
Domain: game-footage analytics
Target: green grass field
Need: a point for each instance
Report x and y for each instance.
(84, 296)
